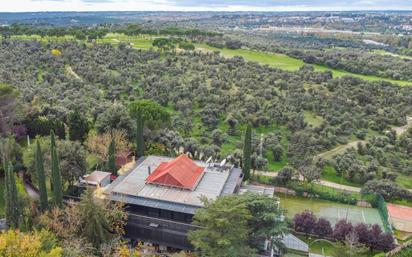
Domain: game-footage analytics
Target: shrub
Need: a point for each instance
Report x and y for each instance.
(362, 231)
(284, 176)
(342, 229)
(322, 228)
(304, 222)
(331, 195)
(388, 189)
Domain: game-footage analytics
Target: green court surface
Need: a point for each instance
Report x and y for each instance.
(331, 211)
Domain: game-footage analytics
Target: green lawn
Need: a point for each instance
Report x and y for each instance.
(329, 174)
(312, 119)
(232, 142)
(272, 59)
(285, 62)
(139, 42)
(383, 52)
(404, 180)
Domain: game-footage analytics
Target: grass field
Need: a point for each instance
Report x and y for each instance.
(329, 174)
(138, 42)
(285, 62)
(383, 52)
(404, 180)
(312, 119)
(331, 211)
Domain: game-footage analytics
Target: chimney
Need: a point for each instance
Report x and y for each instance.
(149, 170)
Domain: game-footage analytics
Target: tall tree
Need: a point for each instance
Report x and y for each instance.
(153, 114)
(247, 152)
(139, 135)
(111, 162)
(95, 221)
(55, 173)
(147, 113)
(12, 202)
(41, 178)
(224, 228)
(8, 110)
(78, 126)
(265, 222)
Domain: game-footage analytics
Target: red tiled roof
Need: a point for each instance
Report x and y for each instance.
(181, 172)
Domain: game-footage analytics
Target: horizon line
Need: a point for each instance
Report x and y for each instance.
(206, 11)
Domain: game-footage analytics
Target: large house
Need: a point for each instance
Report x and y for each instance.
(162, 194)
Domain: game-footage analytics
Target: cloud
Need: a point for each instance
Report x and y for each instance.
(376, 4)
(202, 5)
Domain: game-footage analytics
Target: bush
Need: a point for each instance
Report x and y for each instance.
(304, 222)
(370, 236)
(322, 228)
(330, 194)
(233, 44)
(342, 229)
(284, 176)
(388, 189)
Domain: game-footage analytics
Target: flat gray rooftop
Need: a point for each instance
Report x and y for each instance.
(132, 187)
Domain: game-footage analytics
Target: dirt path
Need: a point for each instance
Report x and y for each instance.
(31, 191)
(319, 182)
(71, 72)
(354, 144)
(339, 149)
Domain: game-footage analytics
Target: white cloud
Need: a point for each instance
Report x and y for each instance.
(199, 5)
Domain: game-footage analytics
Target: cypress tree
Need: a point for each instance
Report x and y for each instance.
(111, 162)
(247, 153)
(139, 135)
(41, 178)
(12, 203)
(55, 174)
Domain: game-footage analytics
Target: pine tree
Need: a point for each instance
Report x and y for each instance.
(78, 126)
(55, 174)
(139, 136)
(247, 152)
(41, 178)
(95, 221)
(12, 202)
(111, 162)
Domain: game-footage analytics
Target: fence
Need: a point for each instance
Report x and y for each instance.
(383, 210)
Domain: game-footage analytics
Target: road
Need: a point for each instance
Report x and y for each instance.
(31, 191)
(319, 182)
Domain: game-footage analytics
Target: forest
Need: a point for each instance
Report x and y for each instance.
(212, 100)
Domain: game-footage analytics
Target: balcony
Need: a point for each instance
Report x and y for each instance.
(160, 231)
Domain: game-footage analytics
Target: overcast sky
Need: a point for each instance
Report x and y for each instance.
(201, 5)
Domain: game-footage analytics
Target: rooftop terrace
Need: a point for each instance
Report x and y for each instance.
(133, 188)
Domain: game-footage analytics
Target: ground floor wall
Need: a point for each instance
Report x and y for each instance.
(159, 231)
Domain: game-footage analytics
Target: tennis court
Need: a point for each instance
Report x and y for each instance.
(331, 211)
(400, 217)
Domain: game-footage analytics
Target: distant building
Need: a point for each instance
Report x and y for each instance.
(123, 158)
(162, 194)
(97, 178)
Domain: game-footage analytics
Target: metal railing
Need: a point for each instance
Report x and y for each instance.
(162, 223)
